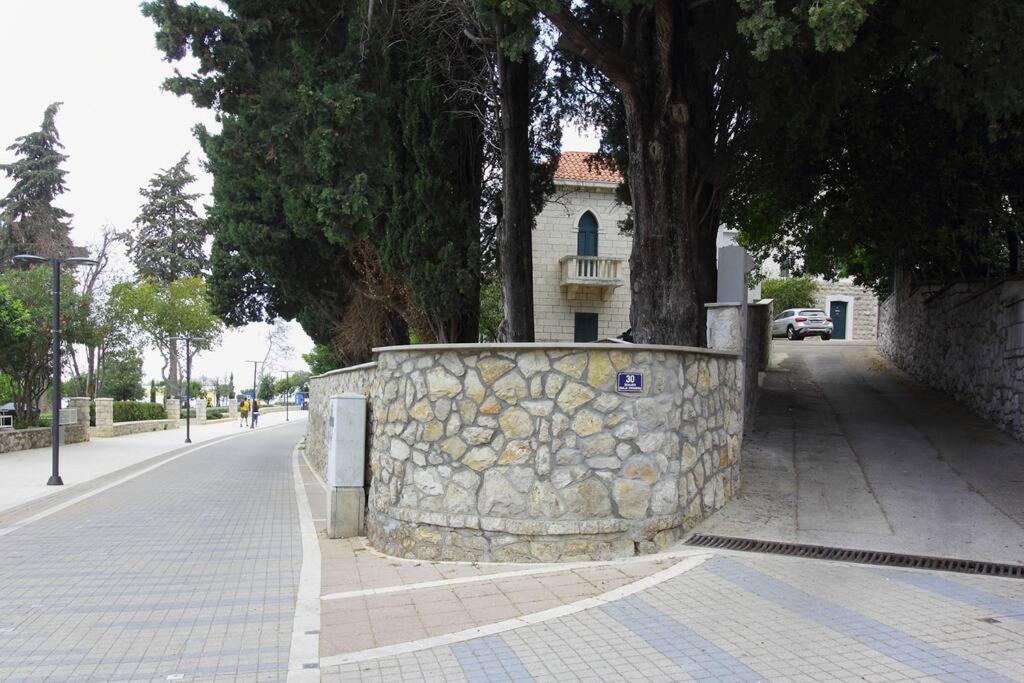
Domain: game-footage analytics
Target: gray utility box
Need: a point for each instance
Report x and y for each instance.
(346, 452)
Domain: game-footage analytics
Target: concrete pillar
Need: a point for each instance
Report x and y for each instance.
(104, 417)
(233, 408)
(200, 410)
(173, 408)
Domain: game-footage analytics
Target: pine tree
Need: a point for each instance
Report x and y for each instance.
(29, 222)
(169, 237)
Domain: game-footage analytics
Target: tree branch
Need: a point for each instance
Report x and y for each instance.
(575, 38)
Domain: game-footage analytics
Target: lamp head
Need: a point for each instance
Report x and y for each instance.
(30, 258)
(81, 261)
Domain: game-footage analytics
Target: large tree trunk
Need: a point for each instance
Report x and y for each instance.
(664, 308)
(515, 238)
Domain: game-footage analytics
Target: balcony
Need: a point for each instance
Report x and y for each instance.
(591, 274)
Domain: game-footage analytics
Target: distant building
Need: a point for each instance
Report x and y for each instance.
(581, 263)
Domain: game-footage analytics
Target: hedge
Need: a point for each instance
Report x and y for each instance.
(790, 292)
(132, 411)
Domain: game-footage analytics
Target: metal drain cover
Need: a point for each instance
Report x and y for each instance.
(820, 552)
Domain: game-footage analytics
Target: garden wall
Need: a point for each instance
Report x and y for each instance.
(967, 340)
(527, 452)
(39, 437)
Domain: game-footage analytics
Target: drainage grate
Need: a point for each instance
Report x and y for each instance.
(820, 552)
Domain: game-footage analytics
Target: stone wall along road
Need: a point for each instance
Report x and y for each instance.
(967, 340)
(526, 452)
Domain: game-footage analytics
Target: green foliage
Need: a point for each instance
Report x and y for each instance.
(491, 311)
(6, 389)
(169, 238)
(910, 158)
(152, 391)
(346, 171)
(25, 337)
(132, 411)
(29, 221)
(216, 413)
(121, 375)
(266, 389)
(790, 292)
(321, 359)
(160, 311)
(290, 384)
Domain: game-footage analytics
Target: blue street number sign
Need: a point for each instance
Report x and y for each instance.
(630, 383)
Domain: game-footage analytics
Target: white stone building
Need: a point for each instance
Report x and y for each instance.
(580, 259)
(581, 264)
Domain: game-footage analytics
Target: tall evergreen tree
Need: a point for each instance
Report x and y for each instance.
(169, 237)
(29, 221)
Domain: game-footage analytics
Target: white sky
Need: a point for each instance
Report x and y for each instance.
(118, 128)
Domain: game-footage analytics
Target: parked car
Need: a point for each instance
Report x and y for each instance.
(797, 323)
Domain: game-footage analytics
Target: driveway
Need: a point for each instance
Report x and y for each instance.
(848, 451)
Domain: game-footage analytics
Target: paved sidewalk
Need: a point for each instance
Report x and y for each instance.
(745, 618)
(187, 571)
(23, 474)
(689, 614)
(848, 451)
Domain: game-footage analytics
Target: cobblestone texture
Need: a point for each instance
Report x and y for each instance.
(186, 571)
(529, 454)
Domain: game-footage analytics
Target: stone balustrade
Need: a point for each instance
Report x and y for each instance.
(172, 407)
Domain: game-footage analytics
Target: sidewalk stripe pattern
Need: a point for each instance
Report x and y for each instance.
(697, 656)
(880, 637)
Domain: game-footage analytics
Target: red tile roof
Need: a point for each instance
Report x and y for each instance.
(584, 166)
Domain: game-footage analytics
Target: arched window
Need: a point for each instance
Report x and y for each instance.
(586, 238)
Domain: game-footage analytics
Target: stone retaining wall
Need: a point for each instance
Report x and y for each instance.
(39, 437)
(355, 379)
(526, 452)
(967, 340)
(137, 427)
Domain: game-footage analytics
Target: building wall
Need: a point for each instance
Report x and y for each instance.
(554, 238)
(967, 340)
(862, 323)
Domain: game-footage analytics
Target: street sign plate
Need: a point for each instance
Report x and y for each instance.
(629, 383)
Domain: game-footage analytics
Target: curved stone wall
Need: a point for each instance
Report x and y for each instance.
(527, 452)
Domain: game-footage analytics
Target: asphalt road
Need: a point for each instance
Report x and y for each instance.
(848, 451)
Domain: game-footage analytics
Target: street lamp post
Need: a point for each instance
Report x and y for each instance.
(252, 424)
(188, 382)
(287, 391)
(55, 479)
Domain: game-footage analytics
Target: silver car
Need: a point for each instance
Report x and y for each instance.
(797, 323)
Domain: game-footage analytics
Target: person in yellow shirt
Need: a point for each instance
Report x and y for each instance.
(243, 414)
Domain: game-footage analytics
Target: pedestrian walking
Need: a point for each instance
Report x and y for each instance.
(243, 414)
(255, 413)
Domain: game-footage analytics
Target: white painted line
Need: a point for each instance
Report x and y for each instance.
(305, 648)
(85, 496)
(675, 570)
(515, 573)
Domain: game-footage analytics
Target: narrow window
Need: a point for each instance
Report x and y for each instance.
(586, 327)
(586, 238)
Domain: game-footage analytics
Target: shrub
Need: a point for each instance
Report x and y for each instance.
(216, 413)
(130, 411)
(790, 292)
